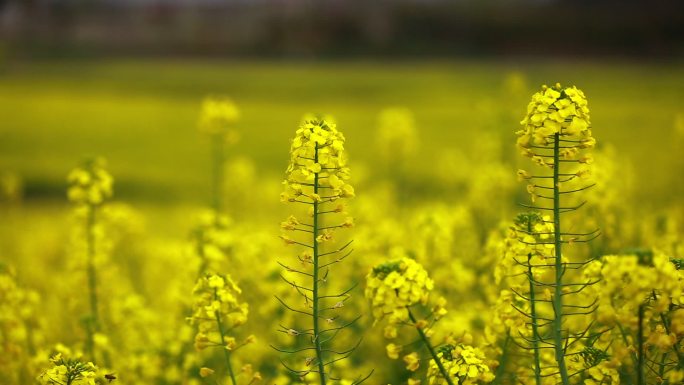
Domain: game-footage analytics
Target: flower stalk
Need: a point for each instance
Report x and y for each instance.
(90, 185)
(533, 312)
(556, 130)
(317, 178)
(217, 118)
(559, 267)
(430, 348)
(222, 333)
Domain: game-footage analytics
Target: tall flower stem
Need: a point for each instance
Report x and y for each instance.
(559, 267)
(317, 175)
(316, 327)
(503, 360)
(428, 345)
(640, 348)
(533, 314)
(93, 321)
(226, 352)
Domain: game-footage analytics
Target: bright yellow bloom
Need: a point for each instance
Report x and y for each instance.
(393, 351)
(412, 361)
(393, 286)
(465, 364)
(216, 310)
(69, 371)
(317, 149)
(556, 110)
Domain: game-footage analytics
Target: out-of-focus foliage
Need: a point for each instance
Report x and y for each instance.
(434, 180)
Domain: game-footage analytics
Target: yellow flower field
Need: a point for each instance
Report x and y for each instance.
(198, 222)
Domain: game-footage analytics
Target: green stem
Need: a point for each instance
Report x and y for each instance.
(316, 327)
(533, 314)
(661, 369)
(623, 334)
(218, 160)
(640, 348)
(226, 352)
(93, 320)
(428, 345)
(498, 377)
(558, 289)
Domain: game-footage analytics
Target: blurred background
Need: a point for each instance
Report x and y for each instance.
(124, 78)
(343, 28)
(428, 93)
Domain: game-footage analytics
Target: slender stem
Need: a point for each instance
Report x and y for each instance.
(498, 377)
(628, 378)
(315, 294)
(558, 290)
(640, 348)
(428, 345)
(93, 320)
(533, 315)
(661, 366)
(217, 148)
(226, 352)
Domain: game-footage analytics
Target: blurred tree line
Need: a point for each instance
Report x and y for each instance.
(302, 28)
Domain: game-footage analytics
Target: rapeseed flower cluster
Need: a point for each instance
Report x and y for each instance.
(556, 110)
(70, 371)
(561, 111)
(317, 150)
(628, 283)
(528, 238)
(211, 240)
(465, 364)
(217, 309)
(392, 287)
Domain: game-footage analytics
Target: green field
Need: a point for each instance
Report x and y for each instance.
(141, 115)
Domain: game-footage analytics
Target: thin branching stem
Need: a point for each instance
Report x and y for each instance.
(428, 345)
(226, 352)
(558, 289)
(315, 288)
(533, 314)
(93, 320)
(503, 360)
